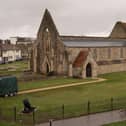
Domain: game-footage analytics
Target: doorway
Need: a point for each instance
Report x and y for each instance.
(88, 70)
(47, 68)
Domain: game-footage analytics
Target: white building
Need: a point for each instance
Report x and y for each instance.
(21, 40)
(9, 53)
(13, 40)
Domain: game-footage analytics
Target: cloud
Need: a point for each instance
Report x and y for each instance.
(82, 17)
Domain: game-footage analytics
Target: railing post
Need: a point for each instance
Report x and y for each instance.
(50, 122)
(88, 107)
(111, 103)
(63, 111)
(15, 114)
(33, 117)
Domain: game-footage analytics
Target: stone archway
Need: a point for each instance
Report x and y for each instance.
(88, 70)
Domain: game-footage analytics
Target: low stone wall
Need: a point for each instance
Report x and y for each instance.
(102, 69)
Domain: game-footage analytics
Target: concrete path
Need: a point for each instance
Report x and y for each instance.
(60, 86)
(91, 120)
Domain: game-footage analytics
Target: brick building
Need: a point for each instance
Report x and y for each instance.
(78, 56)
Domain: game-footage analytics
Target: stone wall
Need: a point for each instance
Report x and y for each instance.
(107, 59)
(102, 69)
(118, 30)
(50, 54)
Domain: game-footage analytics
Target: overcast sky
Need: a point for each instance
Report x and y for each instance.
(72, 17)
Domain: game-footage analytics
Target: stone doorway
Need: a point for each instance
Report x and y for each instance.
(47, 68)
(88, 70)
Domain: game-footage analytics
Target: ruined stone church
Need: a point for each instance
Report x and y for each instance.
(78, 56)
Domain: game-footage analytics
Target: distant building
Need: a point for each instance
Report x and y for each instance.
(9, 53)
(79, 56)
(1, 41)
(24, 43)
(22, 40)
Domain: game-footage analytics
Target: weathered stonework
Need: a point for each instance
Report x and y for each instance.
(51, 54)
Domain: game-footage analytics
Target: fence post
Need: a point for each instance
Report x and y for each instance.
(50, 122)
(88, 107)
(63, 111)
(111, 103)
(33, 117)
(15, 114)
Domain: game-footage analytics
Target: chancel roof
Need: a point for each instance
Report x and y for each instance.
(92, 42)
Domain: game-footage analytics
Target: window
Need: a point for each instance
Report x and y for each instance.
(10, 57)
(47, 30)
(47, 40)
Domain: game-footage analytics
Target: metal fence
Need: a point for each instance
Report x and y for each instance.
(61, 112)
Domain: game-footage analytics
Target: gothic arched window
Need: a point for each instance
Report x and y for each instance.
(47, 40)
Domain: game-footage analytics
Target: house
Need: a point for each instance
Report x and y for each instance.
(9, 53)
(24, 43)
(78, 56)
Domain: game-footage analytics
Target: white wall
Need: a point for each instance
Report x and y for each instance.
(0, 59)
(12, 54)
(13, 40)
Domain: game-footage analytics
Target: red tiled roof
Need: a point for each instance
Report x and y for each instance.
(81, 58)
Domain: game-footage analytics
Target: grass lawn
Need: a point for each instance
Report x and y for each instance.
(49, 82)
(14, 68)
(123, 123)
(8, 124)
(74, 98)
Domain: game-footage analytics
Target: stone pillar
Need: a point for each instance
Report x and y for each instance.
(83, 74)
(70, 71)
(52, 67)
(35, 65)
(94, 71)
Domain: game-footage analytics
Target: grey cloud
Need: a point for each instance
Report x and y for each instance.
(82, 17)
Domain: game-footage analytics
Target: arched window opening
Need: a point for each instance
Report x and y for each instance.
(88, 70)
(47, 40)
(47, 68)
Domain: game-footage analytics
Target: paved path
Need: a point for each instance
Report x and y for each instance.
(61, 86)
(91, 120)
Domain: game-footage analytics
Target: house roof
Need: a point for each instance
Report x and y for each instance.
(25, 39)
(81, 58)
(5, 47)
(65, 38)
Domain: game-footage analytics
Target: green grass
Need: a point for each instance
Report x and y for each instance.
(123, 123)
(49, 83)
(74, 98)
(7, 124)
(14, 68)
